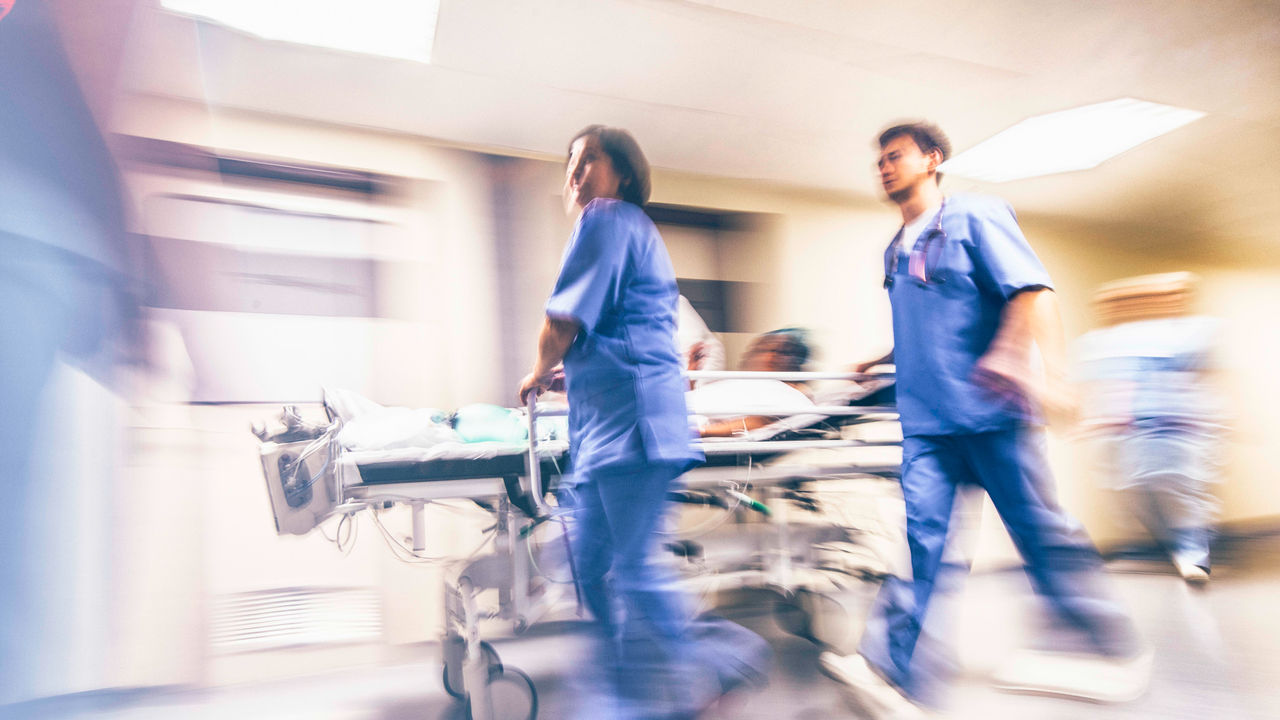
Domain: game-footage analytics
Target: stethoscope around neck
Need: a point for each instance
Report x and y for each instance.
(918, 273)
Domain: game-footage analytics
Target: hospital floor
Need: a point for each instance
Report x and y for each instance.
(1217, 655)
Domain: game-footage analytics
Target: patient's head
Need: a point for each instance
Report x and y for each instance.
(778, 351)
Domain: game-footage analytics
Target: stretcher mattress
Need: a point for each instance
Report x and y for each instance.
(381, 467)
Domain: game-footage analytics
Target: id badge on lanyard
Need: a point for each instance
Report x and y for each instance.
(918, 260)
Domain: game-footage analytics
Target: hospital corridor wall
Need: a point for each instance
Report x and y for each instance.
(198, 539)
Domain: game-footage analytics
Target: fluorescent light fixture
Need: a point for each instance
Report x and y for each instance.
(391, 28)
(1076, 139)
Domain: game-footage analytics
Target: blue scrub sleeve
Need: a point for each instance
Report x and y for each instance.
(590, 278)
(1006, 260)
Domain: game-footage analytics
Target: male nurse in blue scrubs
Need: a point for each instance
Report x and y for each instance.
(969, 300)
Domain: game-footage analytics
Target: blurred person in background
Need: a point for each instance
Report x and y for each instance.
(1151, 410)
(64, 297)
(611, 319)
(969, 300)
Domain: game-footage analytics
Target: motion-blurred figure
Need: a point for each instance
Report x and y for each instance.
(969, 300)
(612, 319)
(1150, 408)
(62, 299)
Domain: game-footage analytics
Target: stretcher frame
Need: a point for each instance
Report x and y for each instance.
(516, 486)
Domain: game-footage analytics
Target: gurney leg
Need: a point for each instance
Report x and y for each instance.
(491, 690)
(419, 526)
(518, 549)
(453, 646)
(782, 571)
(475, 666)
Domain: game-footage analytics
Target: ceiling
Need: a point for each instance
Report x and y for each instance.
(793, 92)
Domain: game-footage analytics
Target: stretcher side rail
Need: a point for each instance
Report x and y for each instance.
(797, 376)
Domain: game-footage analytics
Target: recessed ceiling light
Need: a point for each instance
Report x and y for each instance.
(1076, 139)
(391, 28)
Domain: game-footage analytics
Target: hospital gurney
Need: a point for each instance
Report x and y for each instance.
(311, 479)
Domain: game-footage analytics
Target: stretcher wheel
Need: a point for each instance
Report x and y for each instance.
(792, 617)
(458, 690)
(830, 621)
(815, 616)
(512, 695)
(444, 677)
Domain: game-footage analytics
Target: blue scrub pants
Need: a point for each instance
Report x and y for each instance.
(651, 659)
(1062, 564)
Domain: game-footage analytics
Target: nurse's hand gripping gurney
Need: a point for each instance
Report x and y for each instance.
(367, 457)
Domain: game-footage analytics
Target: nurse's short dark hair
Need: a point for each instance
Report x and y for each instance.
(627, 158)
(927, 136)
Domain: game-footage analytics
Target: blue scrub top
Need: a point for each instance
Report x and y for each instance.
(626, 390)
(976, 260)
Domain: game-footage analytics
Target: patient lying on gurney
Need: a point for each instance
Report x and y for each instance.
(777, 351)
(368, 426)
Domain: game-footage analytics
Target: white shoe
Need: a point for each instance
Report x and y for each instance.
(1082, 677)
(865, 690)
(1193, 574)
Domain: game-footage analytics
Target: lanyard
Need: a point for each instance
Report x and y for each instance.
(918, 259)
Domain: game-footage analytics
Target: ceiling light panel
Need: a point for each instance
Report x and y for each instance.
(391, 28)
(1076, 139)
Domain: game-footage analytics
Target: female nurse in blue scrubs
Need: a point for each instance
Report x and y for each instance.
(611, 320)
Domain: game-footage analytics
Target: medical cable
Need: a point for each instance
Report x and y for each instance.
(347, 520)
(715, 522)
(328, 439)
(564, 534)
(408, 555)
(750, 502)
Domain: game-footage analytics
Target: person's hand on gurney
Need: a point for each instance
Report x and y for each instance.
(551, 382)
(554, 339)
(863, 367)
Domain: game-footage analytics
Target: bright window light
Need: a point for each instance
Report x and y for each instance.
(1076, 139)
(391, 28)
